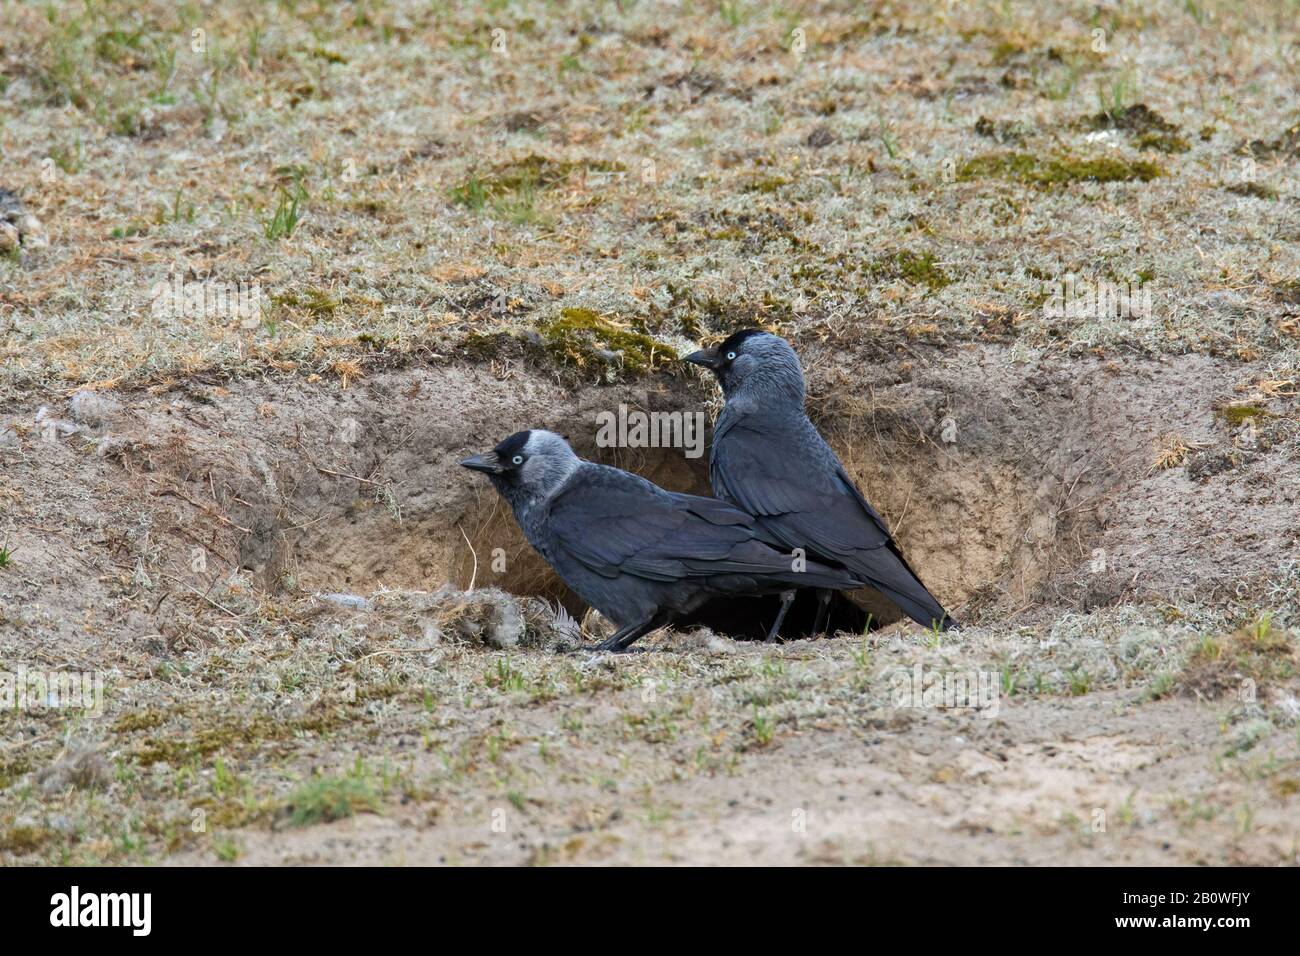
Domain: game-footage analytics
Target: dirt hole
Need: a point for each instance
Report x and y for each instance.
(366, 494)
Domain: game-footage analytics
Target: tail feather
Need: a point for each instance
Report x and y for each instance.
(892, 577)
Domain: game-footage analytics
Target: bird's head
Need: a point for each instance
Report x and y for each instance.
(754, 363)
(527, 466)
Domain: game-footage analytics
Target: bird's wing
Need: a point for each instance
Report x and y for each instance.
(773, 471)
(788, 478)
(617, 524)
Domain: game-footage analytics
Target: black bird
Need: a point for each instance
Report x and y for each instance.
(770, 461)
(640, 555)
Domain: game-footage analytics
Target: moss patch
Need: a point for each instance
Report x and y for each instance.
(485, 346)
(1285, 144)
(1237, 414)
(1138, 118)
(1163, 142)
(1056, 170)
(1254, 190)
(913, 268)
(582, 338)
(316, 303)
(521, 176)
(230, 736)
(21, 840)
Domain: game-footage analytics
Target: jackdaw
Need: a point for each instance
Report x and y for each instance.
(770, 461)
(640, 555)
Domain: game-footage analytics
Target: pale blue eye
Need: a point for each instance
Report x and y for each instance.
(731, 356)
(517, 460)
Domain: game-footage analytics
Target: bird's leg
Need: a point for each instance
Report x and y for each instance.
(625, 637)
(824, 596)
(787, 598)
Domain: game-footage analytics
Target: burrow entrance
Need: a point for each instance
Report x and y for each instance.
(1009, 483)
(358, 490)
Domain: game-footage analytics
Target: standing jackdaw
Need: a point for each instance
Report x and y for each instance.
(640, 555)
(770, 461)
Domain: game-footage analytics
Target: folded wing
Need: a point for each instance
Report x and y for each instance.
(791, 482)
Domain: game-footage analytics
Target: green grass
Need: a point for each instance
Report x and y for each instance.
(324, 799)
(506, 677)
(284, 220)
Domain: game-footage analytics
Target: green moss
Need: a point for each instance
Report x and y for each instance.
(1236, 414)
(315, 302)
(20, 840)
(579, 336)
(329, 56)
(1163, 142)
(1138, 118)
(1056, 170)
(766, 184)
(523, 176)
(1254, 190)
(1006, 50)
(11, 770)
(139, 720)
(911, 268)
(485, 346)
(233, 736)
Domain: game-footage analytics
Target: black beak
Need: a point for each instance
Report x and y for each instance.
(486, 462)
(706, 357)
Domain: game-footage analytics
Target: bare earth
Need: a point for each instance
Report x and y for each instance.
(321, 641)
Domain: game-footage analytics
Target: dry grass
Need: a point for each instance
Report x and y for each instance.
(394, 182)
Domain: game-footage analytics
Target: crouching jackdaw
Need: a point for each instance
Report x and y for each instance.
(640, 555)
(770, 461)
